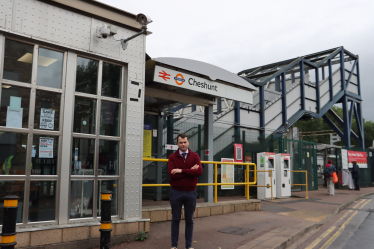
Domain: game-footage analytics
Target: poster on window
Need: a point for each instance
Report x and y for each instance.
(147, 141)
(359, 157)
(344, 159)
(47, 119)
(46, 147)
(238, 152)
(227, 173)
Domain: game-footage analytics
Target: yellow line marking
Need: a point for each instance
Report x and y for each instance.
(326, 233)
(333, 238)
(320, 238)
(355, 206)
(360, 204)
(363, 205)
(341, 229)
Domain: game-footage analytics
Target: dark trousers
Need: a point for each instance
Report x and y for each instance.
(188, 200)
(355, 180)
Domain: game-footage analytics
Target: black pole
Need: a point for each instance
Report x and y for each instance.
(106, 219)
(8, 235)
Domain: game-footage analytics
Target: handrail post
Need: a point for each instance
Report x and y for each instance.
(247, 186)
(215, 181)
(306, 182)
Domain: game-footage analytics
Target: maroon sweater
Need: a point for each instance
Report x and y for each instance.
(187, 180)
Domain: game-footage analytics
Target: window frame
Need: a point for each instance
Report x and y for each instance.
(97, 137)
(30, 130)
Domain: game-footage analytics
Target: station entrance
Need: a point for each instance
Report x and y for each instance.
(172, 85)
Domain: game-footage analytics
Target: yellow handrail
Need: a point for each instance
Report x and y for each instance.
(247, 183)
(306, 181)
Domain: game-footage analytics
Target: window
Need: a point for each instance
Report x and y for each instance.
(18, 61)
(97, 137)
(30, 114)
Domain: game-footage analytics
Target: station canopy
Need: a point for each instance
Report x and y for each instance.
(173, 81)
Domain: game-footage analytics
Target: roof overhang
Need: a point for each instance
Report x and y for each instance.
(99, 10)
(196, 81)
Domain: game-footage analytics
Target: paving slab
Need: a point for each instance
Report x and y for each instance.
(277, 225)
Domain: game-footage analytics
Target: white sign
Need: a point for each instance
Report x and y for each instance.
(47, 119)
(191, 82)
(14, 118)
(154, 132)
(227, 173)
(46, 147)
(344, 159)
(171, 147)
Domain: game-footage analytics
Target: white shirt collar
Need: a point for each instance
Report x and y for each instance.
(180, 152)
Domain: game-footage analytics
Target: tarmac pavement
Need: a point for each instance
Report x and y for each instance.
(277, 225)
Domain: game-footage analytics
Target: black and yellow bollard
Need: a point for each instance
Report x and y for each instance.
(106, 219)
(8, 235)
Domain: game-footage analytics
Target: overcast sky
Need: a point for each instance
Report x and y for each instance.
(237, 35)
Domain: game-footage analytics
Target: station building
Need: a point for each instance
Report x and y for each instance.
(79, 111)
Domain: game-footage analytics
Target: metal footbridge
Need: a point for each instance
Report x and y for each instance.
(300, 88)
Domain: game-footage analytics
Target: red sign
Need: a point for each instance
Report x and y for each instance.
(238, 152)
(164, 75)
(359, 157)
(248, 159)
(207, 152)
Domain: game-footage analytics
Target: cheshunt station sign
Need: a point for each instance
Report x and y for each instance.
(186, 79)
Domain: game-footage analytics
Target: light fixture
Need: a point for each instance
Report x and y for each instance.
(42, 60)
(6, 86)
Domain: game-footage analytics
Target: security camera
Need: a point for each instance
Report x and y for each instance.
(144, 20)
(103, 31)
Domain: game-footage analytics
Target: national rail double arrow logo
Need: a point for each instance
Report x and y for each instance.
(164, 75)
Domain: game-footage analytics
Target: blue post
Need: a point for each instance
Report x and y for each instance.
(330, 81)
(237, 121)
(317, 91)
(342, 70)
(347, 131)
(302, 86)
(219, 105)
(284, 99)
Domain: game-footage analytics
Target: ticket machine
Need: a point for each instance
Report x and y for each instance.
(283, 175)
(266, 161)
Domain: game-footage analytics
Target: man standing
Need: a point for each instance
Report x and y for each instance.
(355, 171)
(184, 168)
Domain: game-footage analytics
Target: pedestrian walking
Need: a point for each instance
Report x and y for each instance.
(328, 171)
(184, 168)
(355, 171)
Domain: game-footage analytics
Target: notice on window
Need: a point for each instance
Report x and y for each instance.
(344, 159)
(47, 119)
(14, 118)
(227, 173)
(46, 147)
(147, 141)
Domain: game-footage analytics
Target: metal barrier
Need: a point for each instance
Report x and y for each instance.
(247, 183)
(306, 181)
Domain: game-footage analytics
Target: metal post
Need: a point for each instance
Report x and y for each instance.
(237, 121)
(193, 108)
(208, 144)
(247, 180)
(106, 219)
(215, 181)
(8, 235)
(302, 86)
(219, 105)
(306, 179)
(160, 137)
